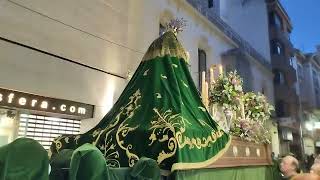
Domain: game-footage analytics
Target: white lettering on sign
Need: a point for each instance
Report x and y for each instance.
(81, 110)
(22, 101)
(10, 97)
(28, 101)
(63, 107)
(33, 102)
(72, 109)
(44, 105)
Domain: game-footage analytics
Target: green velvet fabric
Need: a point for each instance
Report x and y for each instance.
(87, 163)
(145, 169)
(61, 160)
(24, 159)
(60, 164)
(159, 115)
(235, 173)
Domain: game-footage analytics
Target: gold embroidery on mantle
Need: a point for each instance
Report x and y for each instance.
(185, 84)
(168, 123)
(158, 95)
(163, 76)
(109, 146)
(146, 72)
(202, 109)
(58, 143)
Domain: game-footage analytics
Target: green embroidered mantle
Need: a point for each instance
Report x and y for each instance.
(159, 115)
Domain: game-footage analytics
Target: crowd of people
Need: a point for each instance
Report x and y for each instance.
(290, 169)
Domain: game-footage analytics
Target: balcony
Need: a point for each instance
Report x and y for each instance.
(286, 93)
(288, 123)
(281, 63)
(284, 37)
(229, 32)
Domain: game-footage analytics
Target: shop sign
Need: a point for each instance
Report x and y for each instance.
(10, 98)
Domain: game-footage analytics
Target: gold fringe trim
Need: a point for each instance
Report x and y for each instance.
(167, 44)
(185, 166)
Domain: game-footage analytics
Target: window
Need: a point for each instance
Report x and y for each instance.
(263, 91)
(277, 21)
(280, 108)
(291, 61)
(202, 57)
(318, 92)
(315, 79)
(162, 29)
(271, 18)
(210, 3)
(44, 129)
(274, 19)
(277, 48)
(300, 73)
(278, 77)
(316, 86)
(243, 68)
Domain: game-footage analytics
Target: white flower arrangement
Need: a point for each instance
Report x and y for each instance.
(247, 113)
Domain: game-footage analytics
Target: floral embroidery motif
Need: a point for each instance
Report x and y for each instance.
(168, 124)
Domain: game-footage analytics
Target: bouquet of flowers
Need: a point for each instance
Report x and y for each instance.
(226, 91)
(249, 111)
(257, 107)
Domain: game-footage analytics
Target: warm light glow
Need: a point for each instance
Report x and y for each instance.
(6, 122)
(309, 126)
(317, 125)
(107, 100)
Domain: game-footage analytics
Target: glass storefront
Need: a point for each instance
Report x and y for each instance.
(8, 126)
(38, 117)
(14, 124)
(45, 128)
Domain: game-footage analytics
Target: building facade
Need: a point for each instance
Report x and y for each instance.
(308, 75)
(286, 99)
(82, 52)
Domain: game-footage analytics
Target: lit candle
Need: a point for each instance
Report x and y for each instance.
(211, 76)
(243, 115)
(206, 94)
(220, 69)
(203, 80)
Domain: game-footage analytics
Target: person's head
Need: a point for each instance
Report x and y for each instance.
(315, 169)
(289, 165)
(306, 176)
